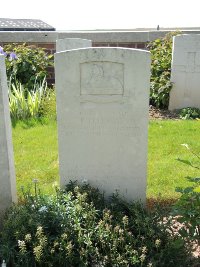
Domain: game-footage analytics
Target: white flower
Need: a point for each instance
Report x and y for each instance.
(22, 246)
(39, 231)
(20, 242)
(28, 237)
(142, 257)
(144, 249)
(157, 242)
(42, 209)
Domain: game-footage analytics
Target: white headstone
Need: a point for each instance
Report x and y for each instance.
(185, 73)
(102, 108)
(72, 43)
(7, 171)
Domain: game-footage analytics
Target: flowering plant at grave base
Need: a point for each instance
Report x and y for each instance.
(78, 227)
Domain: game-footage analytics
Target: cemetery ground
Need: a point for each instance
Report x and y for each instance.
(78, 226)
(36, 155)
(172, 145)
(37, 222)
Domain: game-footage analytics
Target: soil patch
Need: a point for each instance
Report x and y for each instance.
(162, 114)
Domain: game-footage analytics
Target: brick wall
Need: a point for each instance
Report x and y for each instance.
(50, 48)
(128, 45)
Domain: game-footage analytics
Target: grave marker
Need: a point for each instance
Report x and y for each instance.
(7, 170)
(72, 43)
(185, 73)
(102, 108)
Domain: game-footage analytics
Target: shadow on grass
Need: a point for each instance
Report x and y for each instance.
(32, 122)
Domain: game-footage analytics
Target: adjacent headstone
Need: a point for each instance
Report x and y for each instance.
(185, 73)
(7, 171)
(72, 43)
(102, 108)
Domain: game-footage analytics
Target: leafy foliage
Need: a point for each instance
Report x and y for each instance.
(161, 51)
(189, 113)
(26, 63)
(26, 104)
(48, 106)
(79, 227)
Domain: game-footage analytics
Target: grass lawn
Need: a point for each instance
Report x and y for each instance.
(166, 156)
(36, 155)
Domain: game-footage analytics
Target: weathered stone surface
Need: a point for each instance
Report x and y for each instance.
(102, 108)
(72, 43)
(185, 72)
(7, 171)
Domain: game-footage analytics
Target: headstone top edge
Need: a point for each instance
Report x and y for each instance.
(73, 39)
(135, 50)
(196, 36)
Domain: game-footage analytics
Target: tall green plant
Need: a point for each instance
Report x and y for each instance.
(48, 106)
(161, 51)
(26, 104)
(80, 228)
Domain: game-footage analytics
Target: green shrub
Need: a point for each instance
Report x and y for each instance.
(189, 113)
(160, 86)
(26, 64)
(78, 227)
